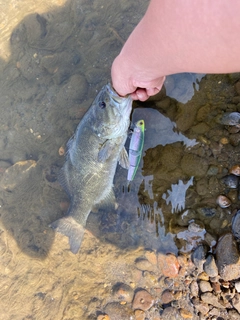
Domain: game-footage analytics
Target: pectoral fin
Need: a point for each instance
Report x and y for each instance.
(123, 159)
(105, 151)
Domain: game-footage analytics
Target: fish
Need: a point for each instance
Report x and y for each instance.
(91, 161)
(135, 149)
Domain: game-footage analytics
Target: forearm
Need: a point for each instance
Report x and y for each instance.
(183, 36)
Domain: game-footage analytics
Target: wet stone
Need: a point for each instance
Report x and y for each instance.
(227, 255)
(193, 165)
(17, 173)
(168, 265)
(207, 212)
(103, 317)
(198, 257)
(205, 286)
(170, 313)
(139, 315)
(216, 287)
(236, 225)
(200, 306)
(237, 286)
(210, 266)
(117, 311)
(236, 302)
(185, 314)
(233, 315)
(194, 288)
(142, 300)
(122, 292)
(210, 298)
(144, 265)
(167, 296)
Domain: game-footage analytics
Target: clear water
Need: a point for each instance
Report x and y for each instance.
(54, 57)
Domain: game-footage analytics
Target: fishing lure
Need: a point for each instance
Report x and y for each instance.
(135, 149)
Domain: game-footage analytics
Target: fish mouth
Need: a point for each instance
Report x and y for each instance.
(124, 102)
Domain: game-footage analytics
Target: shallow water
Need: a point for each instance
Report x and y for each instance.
(55, 56)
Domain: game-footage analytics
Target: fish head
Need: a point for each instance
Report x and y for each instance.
(111, 113)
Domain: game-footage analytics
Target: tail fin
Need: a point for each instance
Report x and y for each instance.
(70, 228)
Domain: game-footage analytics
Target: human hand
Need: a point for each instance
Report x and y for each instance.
(124, 81)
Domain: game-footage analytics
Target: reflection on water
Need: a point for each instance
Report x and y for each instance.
(58, 57)
(177, 195)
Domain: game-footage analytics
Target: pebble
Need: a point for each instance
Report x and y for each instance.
(235, 170)
(151, 256)
(185, 314)
(200, 306)
(142, 300)
(139, 315)
(167, 296)
(122, 292)
(237, 286)
(227, 255)
(168, 265)
(210, 298)
(198, 257)
(236, 302)
(144, 264)
(210, 266)
(103, 317)
(117, 311)
(216, 287)
(14, 175)
(205, 286)
(223, 201)
(194, 288)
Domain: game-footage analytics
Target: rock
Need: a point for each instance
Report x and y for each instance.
(198, 257)
(205, 286)
(142, 300)
(210, 266)
(233, 315)
(144, 265)
(103, 317)
(237, 286)
(167, 296)
(15, 174)
(236, 302)
(216, 287)
(210, 298)
(193, 165)
(228, 261)
(203, 276)
(117, 311)
(139, 315)
(151, 256)
(170, 313)
(168, 265)
(186, 314)
(200, 306)
(194, 288)
(122, 292)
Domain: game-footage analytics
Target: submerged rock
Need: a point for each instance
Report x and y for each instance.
(236, 225)
(228, 260)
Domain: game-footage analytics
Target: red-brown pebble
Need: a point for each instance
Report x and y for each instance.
(142, 300)
(168, 265)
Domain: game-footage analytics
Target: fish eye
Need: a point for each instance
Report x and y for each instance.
(141, 123)
(102, 104)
